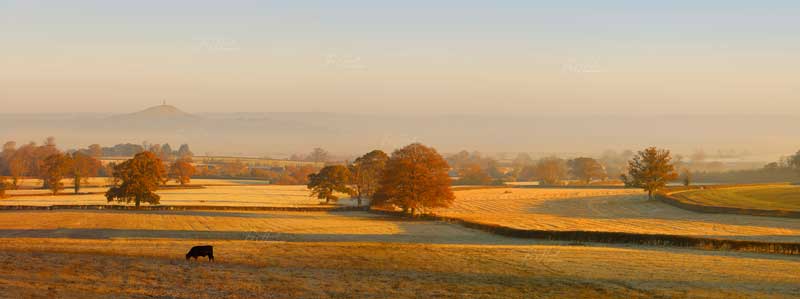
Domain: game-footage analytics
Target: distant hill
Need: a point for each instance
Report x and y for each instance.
(161, 112)
(284, 133)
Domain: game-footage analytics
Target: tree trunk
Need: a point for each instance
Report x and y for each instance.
(138, 201)
(77, 184)
(649, 194)
(359, 200)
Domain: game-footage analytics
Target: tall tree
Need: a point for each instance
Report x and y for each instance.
(41, 153)
(650, 170)
(459, 160)
(318, 155)
(416, 179)
(328, 181)
(53, 169)
(550, 171)
(3, 187)
(295, 175)
(794, 161)
(137, 180)
(473, 174)
(185, 153)
(181, 171)
(687, 177)
(82, 168)
(95, 151)
(166, 152)
(5, 156)
(19, 163)
(366, 172)
(586, 169)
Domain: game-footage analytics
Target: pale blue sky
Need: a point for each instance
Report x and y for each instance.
(369, 56)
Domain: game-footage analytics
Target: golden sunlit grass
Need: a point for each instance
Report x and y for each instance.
(240, 195)
(293, 226)
(612, 210)
(764, 197)
(68, 268)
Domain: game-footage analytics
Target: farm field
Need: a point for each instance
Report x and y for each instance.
(286, 226)
(123, 254)
(615, 210)
(768, 197)
(612, 210)
(215, 195)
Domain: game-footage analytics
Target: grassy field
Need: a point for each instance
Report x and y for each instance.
(215, 195)
(612, 210)
(615, 210)
(28, 184)
(767, 197)
(119, 254)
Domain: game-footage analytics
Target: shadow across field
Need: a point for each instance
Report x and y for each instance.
(410, 234)
(265, 215)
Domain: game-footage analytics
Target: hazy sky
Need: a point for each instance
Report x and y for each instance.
(404, 56)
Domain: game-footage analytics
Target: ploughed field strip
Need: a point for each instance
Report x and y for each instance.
(611, 210)
(74, 268)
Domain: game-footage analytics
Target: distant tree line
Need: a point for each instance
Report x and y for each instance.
(476, 169)
(51, 165)
(164, 152)
(786, 169)
(47, 163)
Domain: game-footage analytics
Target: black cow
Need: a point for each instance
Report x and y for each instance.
(201, 251)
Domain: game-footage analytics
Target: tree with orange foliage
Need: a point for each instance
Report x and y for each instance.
(415, 180)
(53, 169)
(366, 172)
(82, 167)
(138, 179)
(651, 169)
(182, 171)
(473, 174)
(329, 181)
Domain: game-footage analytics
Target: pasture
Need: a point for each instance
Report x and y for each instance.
(282, 254)
(217, 194)
(764, 197)
(118, 254)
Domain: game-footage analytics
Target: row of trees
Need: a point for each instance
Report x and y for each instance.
(27, 160)
(473, 169)
(414, 178)
(52, 166)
